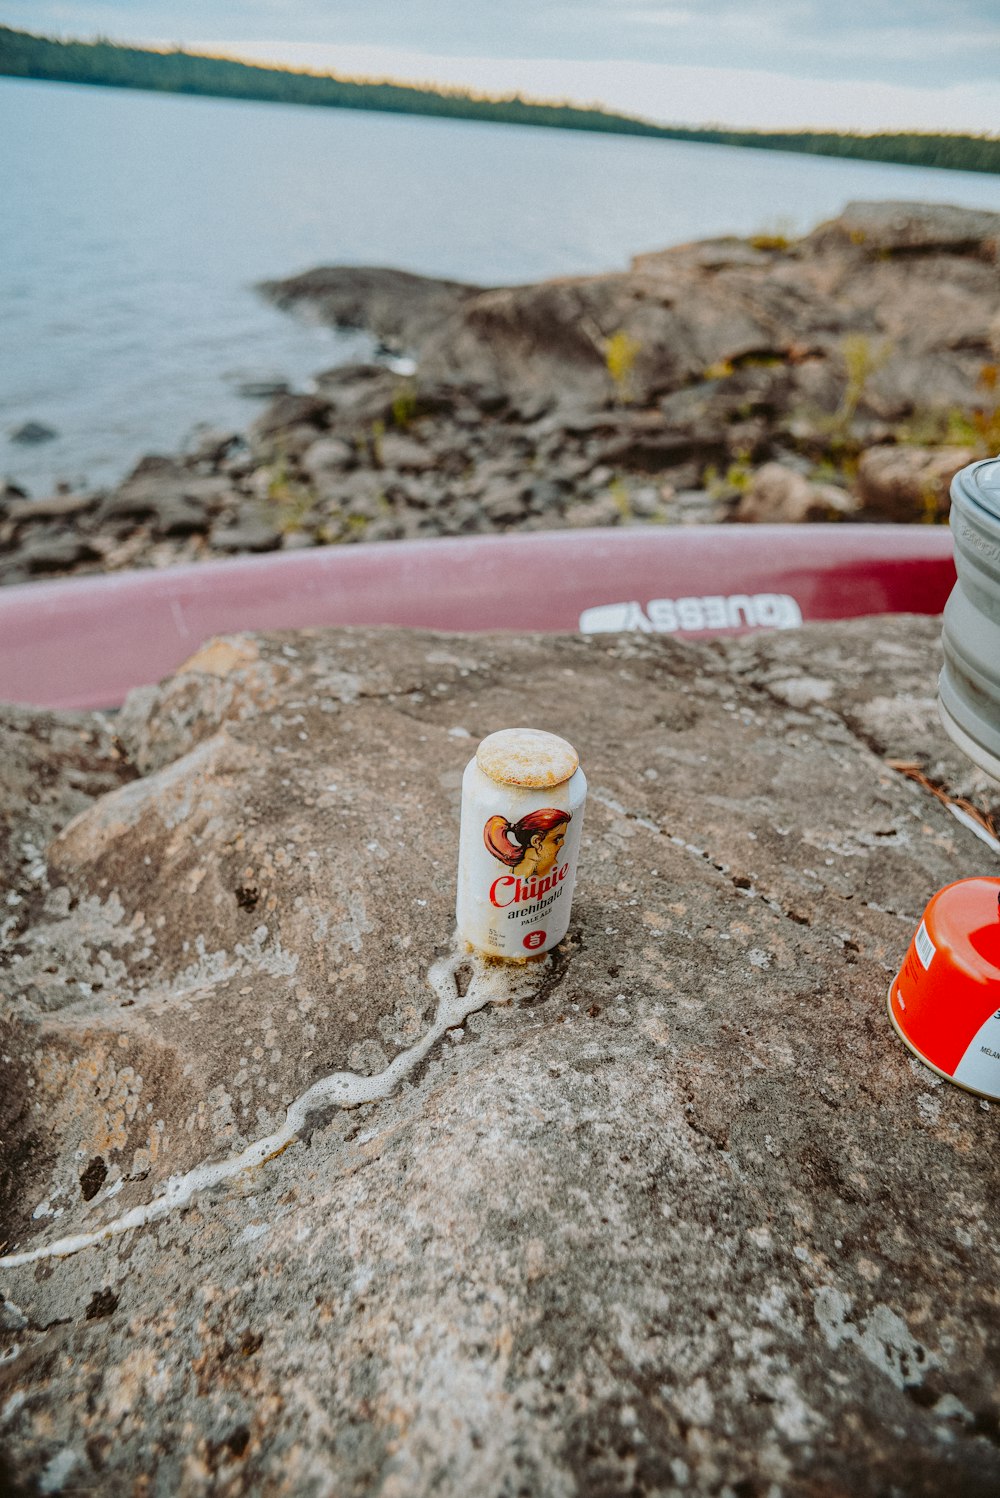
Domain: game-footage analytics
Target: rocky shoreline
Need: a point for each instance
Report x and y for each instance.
(843, 376)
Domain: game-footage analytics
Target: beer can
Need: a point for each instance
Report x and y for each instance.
(522, 815)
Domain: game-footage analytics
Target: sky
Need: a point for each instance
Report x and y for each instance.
(842, 64)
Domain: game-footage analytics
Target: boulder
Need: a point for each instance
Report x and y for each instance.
(56, 507)
(361, 492)
(328, 455)
(880, 228)
(249, 533)
(916, 280)
(779, 495)
(504, 501)
(178, 515)
(909, 483)
(674, 1211)
(401, 309)
(292, 411)
(212, 444)
(156, 479)
(397, 450)
(55, 551)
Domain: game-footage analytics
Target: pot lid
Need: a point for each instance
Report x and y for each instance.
(980, 483)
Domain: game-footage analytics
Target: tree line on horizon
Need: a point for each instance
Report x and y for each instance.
(111, 65)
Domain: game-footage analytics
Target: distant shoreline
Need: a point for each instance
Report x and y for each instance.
(110, 65)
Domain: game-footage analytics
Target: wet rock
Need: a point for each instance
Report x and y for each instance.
(212, 444)
(690, 1180)
(31, 433)
(779, 495)
(265, 389)
(909, 483)
(394, 305)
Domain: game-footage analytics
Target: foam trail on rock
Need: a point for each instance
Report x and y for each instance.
(491, 983)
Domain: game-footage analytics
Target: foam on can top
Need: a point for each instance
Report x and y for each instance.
(527, 757)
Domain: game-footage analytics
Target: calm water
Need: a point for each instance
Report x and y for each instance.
(134, 227)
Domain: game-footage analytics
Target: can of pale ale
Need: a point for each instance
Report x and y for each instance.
(522, 816)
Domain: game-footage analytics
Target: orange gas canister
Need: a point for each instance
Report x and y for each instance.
(945, 999)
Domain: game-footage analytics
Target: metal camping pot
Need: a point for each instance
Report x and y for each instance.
(969, 685)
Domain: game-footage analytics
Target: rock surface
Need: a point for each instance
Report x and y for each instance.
(909, 483)
(670, 393)
(684, 1217)
(781, 496)
(919, 280)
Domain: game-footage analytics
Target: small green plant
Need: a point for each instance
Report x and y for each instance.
(377, 433)
(736, 479)
(986, 418)
(930, 504)
(404, 405)
(739, 475)
(826, 472)
(776, 236)
(720, 370)
(295, 502)
(618, 490)
(762, 361)
(862, 359)
(278, 479)
(620, 353)
(978, 428)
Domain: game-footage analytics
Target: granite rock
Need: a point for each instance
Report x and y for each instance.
(918, 281)
(682, 1217)
(909, 483)
(778, 495)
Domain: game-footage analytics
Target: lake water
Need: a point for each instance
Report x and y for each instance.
(134, 227)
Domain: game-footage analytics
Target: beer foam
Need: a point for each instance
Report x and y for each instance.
(492, 982)
(527, 757)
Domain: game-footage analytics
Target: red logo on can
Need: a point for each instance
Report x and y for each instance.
(534, 940)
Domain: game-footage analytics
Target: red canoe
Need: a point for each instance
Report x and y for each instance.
(84, 642)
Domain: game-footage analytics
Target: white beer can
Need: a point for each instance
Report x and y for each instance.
(522, 816)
